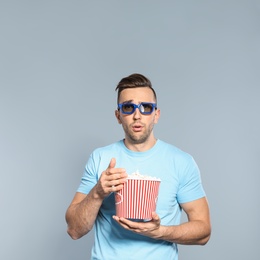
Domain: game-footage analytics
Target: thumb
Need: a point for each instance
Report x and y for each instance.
(112, 163)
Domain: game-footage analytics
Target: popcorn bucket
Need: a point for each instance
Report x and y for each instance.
(137, 199)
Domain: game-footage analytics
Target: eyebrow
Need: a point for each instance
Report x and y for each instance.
(127, 101)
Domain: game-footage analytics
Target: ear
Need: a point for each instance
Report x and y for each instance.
(117, 114)
(157, 115)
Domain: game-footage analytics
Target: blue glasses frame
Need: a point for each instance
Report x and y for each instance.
(145, 108)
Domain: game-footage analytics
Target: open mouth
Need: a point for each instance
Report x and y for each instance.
(137, 128)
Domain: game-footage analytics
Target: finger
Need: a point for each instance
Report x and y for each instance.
(120, 222)
(155, 218)
(112, 163)
(116, 172)
(116, 218)
(128, 223)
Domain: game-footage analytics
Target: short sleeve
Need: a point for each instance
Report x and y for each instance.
(89, 177)
(190, 186)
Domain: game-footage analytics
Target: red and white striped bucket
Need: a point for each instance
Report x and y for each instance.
(137, 199)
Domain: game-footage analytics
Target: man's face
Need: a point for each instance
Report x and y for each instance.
(138, 128)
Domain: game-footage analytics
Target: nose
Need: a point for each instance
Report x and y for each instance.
(137, 114)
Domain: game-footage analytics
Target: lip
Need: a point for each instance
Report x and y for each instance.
(137, 128)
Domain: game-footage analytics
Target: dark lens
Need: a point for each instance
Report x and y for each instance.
(148, 108)
(127, 108)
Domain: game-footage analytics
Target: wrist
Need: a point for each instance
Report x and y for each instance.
(96, 194)
(161, 232)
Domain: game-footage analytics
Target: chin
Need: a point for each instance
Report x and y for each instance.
(140, 140)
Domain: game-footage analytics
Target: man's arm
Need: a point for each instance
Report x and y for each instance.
(194, 232)
(82, 213)
(83, 210)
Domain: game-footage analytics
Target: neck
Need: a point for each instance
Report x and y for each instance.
(140, 147)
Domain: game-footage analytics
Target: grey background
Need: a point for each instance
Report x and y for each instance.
(60, 62)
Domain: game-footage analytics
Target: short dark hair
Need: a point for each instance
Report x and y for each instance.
(134, 81)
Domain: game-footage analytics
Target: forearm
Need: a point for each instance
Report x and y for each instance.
(81, 216)
(83, 210)
(191, 233)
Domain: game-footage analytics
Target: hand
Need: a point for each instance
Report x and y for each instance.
(111, 180)
(149, 228)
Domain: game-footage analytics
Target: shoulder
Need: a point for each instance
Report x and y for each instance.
(101, 156)
(173, 150)
(107, 149)
(177, 157)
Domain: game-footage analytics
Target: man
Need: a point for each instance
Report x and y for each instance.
(106, 173)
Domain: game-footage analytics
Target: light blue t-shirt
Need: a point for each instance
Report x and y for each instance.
(180, 183)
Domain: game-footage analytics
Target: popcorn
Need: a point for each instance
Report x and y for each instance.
(138, 198)
(137, 176)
